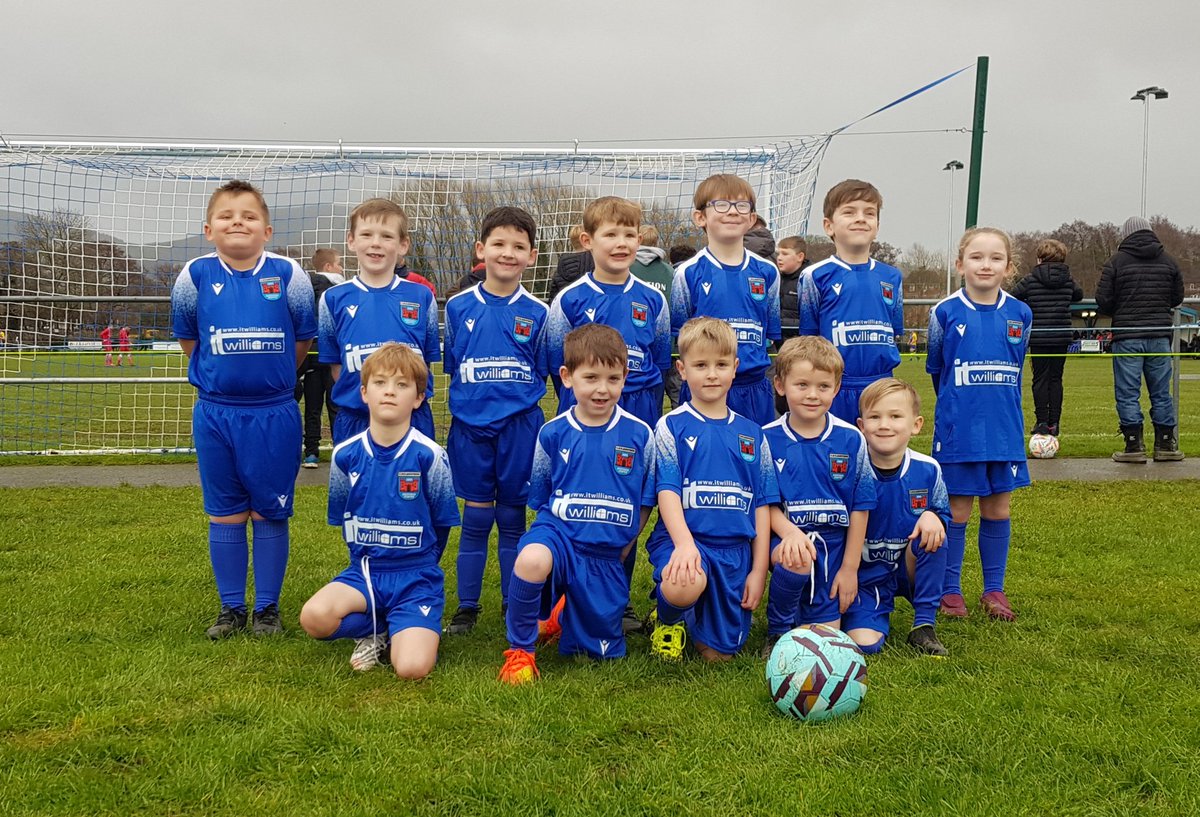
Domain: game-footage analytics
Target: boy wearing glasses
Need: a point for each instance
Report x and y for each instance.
(724, 280)
(852, 299)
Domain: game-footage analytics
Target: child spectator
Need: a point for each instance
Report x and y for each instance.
(1049, 291)
(496, 363)
(726, 281)
(377, 306)
(977, 341)
(851, 298)
(571, 265)
(592, 487)
(826, 489)
(652, 268)
(316, 379)
(715, 484)
(903, 553)
(244, 318)
(792, 259)
(395, 542)
(1139, 287)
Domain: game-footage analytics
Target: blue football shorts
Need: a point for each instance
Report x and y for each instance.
(248, 457)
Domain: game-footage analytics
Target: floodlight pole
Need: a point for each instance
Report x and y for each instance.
(952, 166)
(981, 72)
(1144, 96)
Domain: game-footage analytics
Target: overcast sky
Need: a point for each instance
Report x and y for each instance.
(1064, 140)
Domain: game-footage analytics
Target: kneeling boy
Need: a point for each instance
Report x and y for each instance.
(592, 486)
(715, 483)
(390, 490)
(903, 552)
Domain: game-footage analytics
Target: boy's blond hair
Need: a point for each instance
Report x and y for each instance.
(723, 186)
(880, 389)
(380, 209)
(611, 210)
(848, 191)
(1051, 250)
(573, 237)
(648, 237)
(707, 332)
(816, 350)
(322, 257)
(594, 343)
(393, 358)
(235, 187)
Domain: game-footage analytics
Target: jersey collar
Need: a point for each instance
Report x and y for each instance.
(688, 407)
(713, 259)
(598, 287)
(785, 421)
(262, 259)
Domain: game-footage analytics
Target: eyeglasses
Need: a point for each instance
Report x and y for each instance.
(744, 208)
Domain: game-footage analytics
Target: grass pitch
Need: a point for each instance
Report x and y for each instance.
(113, 702)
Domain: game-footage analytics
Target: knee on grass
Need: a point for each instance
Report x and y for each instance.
(318, 619)
(869, 641)
(683, 595)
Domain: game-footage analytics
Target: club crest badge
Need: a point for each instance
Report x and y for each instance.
(746, 445)
(839, 466)
(639, 314)
(1016, 332)
(522, 329)
(889, 292)
(410, 313)
(918, 500)
(623, 460)
(271, 288)
(410, 484)
(758, 288)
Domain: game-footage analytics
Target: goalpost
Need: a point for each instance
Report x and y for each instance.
(92, 235)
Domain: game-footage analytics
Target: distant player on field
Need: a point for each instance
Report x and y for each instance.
(851, 298)
(106, 343)
(497, 368)
(377, 306)
(125, 348)
(244, 318)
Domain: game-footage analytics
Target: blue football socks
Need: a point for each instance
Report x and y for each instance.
(669, 613)
(994, 536)
(873, 649)
(472, 552)
(229, 552)
(927, 584)
(270, 560)
(355, 625)
(510, 523)
(783, 599)
(524, 604)
(956, 548)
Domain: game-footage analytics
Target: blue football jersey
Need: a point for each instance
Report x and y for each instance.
(593, 481)
(746, 296)
(494, 355)
(721, 470)
(635, 309)
(246, 326)
(356, 319)
(860, 309)
(977, 352)
(388, 501)
(900, 500)
(824, 479)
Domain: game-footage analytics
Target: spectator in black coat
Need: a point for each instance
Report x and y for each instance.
(571, 265)
(1049, 290)
(1140, 287)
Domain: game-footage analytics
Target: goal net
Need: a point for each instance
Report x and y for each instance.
(92, 237)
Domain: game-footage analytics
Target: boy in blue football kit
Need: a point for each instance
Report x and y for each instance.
(715, 483)
(610, 295)
(977, 342)
(726, 281)
(851, 298)
(497, 368)
(244, 318)
(903, 553)
(377, 306)
(592, 486)
(391, 493)
(826, 489)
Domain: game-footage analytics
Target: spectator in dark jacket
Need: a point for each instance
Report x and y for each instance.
(475, 276)
(571, 265)
(759, 240)
(792, 259)
(1140, 287)
(1049, 290)
(314, 381)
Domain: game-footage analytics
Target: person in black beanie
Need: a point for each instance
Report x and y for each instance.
(1049, 291)
(1139, 287)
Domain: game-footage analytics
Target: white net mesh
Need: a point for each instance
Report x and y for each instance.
(93, 235)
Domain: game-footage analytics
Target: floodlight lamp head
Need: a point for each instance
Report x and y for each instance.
(953, 164)
(1151, 92)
